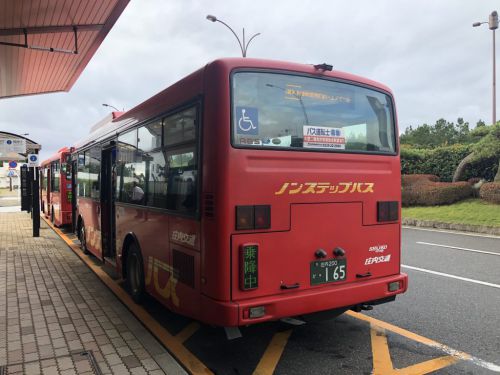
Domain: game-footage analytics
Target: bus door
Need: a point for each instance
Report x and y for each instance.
(73, 162)
(48, 171)
(108, 181)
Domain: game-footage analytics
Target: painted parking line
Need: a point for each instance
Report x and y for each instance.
(458, 248)
(381, 325)
(451, 276)
(174, 344)
(272, 355)
(382, 362)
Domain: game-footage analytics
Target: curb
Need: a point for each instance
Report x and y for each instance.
(451, 226)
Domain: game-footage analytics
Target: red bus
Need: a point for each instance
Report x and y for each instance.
(249, 191)
(56, 188)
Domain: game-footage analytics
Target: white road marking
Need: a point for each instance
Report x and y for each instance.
(452, 232)
(451, 276)
(459, 248)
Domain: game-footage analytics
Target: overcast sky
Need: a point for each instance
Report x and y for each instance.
(426, 51)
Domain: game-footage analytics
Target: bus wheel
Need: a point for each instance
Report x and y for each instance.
(135, 273)
(83, 240)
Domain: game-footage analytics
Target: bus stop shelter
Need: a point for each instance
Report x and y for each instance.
(45, 45)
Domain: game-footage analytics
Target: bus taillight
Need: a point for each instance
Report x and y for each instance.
(253, 217)
(262, 215)
(387, 211)
(244, 217)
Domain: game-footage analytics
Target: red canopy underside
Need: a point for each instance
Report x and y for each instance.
(50, 24)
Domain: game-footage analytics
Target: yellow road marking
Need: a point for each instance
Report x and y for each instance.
(172, 343)
(382, 363)
(272, 355)
(410, 335)
(187, 332)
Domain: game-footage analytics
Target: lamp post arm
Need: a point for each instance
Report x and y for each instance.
(248, 43)
(236, 36)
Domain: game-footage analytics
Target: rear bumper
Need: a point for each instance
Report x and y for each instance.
(296, 303)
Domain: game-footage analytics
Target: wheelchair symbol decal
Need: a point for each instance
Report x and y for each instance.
(248, 120)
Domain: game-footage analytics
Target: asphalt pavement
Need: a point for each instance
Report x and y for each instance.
(452, 307)
(459, 305)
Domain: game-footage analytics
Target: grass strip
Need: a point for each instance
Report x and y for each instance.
(470, 211)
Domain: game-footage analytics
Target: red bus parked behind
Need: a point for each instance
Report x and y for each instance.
(55, 187)
(249, 191)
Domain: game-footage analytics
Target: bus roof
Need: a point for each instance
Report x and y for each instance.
(157, 103)
(56, 156)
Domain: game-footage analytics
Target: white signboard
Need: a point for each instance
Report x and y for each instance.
(13, 145)
(33, 160)
(323, 137)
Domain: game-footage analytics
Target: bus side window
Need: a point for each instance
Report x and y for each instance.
(180, 146)
(182, 180)
(55, 176)
(157, 180)
(131, 168)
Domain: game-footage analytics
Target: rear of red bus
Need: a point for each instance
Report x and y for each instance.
(301, 194)
(56, 188)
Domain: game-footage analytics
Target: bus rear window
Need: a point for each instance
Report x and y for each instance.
(281, 111)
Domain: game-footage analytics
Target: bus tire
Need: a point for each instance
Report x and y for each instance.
(135, 273)
(83, 239)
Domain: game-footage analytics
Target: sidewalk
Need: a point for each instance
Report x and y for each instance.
(57, 317)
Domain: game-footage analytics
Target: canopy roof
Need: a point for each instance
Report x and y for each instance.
(46, 44)
(31, 147)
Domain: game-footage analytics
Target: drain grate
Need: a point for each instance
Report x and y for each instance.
(93, 363)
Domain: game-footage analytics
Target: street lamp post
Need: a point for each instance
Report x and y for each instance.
(243, 46)
(110, 106)
(493, 25)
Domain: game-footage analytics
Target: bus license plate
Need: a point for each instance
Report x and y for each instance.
(328, 271)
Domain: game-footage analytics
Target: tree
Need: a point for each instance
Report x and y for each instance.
(487, 146)
(442, 133)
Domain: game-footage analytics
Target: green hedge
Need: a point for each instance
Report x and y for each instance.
(443, 161)
(425, 190)
(490, 192)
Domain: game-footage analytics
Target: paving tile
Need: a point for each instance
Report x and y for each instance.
(124, 351)
(138, 371)
(150, 364)
(32, 368)
(64, 363)
(52, 307)
(30, 357)
(112, 359)
(131, 361)
(119, 369)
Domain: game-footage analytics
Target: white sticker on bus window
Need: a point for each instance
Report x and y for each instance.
(323, 137)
